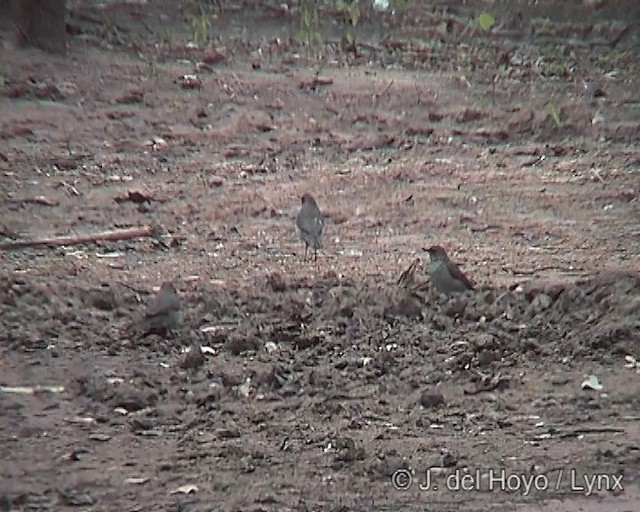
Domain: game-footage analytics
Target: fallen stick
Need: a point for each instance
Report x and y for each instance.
(118, 234)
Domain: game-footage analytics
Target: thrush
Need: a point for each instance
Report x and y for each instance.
(162, 314)
(445, 274)
(311, 225)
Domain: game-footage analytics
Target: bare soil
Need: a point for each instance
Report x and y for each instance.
(325, 385)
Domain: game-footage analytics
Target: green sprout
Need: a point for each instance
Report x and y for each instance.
(352, 15)
(200, 25)
(553, 112)
(485, 21)
(309, 23)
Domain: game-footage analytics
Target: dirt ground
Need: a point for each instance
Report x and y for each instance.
(325, 386)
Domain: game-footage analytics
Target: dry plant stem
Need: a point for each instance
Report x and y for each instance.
(114, 235)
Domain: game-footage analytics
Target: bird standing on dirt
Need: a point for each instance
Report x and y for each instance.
(162, 314)
(445, 274)
(311, 224)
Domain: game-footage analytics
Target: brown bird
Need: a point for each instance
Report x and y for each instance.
(311, 225)
(445, 274)
(162, 314)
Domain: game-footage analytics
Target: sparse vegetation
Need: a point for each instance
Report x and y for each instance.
(398, 5)
(553, 65)
(553, 112)
(201, 25)
(616, 57)
(351, 13)
(309, 29)
(555, 69)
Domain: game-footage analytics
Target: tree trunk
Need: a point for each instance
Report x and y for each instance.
(41, 23)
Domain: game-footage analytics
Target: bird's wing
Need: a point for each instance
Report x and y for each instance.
(311, 224)
(163, 305)
(457, 274)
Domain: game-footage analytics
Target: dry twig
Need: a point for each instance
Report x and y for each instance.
(112, 235)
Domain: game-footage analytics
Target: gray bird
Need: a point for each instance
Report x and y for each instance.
(445, 274)
(311, 224)
(162, 314)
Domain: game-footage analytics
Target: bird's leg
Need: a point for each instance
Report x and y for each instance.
(315, 254)
(306, 248)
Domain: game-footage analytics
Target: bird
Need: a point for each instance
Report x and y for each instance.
(162, 314)
(311, 225)
(445, 274)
